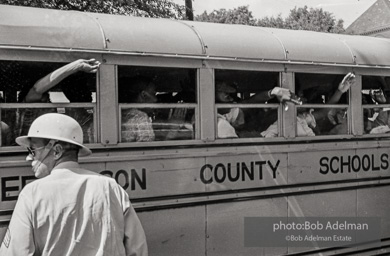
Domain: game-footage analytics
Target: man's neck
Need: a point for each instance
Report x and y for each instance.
(66, 165)
(66, 158)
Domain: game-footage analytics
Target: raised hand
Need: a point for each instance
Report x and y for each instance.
(89, 66)
(349, 79)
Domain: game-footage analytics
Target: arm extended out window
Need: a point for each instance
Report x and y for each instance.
(157, 104)
(26, 93)
(244, 106)
(325, 107)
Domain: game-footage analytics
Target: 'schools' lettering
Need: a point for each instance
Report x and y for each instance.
(356, 163)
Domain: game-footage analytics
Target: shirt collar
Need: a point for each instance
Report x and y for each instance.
(67, 165)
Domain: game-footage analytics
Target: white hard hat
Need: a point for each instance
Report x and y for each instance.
(57, 127)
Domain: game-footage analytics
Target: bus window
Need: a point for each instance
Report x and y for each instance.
(376, 105)
(325, 107)
(157, 104)
(17, 78)
(241, 98)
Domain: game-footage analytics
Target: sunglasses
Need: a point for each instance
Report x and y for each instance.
(31, 151)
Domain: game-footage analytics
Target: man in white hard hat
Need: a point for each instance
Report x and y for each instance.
(69, 210)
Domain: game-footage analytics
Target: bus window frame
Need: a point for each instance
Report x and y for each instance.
(53, 57)
(150, 62)
(372, 106)
(352, 102)
(205, 72)
(55, 106)
(250, 67)
(385, 73)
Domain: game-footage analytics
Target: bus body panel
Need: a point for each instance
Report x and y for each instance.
(223, 41)
(368, 206)
(176, 231)
(358, 48)
(182, 213)
(21, 26)
(55, 29)
(122, 34)
(227, 219)
(323, 48)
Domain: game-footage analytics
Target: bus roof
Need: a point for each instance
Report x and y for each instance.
(27, 27)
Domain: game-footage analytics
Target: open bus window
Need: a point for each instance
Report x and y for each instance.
(17, 79)
(319, 88)
(316, 121)
(326, 107)
(376, 104)
(157, 104)
(245, 89)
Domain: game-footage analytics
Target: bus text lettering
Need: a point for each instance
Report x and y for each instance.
(356, 163)
(12, 184)
(242, 171)
(128, 179)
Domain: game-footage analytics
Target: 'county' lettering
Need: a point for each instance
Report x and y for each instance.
(239, 171)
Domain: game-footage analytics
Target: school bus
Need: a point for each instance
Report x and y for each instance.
(192, 187)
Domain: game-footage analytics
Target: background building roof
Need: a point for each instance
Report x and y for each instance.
(375, 21)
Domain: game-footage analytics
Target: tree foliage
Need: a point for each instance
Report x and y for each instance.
(240, 15)
(313, 19)
(144, 8)
(272, 22)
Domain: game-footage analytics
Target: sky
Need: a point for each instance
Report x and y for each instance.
(348, 10)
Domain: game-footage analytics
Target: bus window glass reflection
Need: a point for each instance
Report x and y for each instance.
(165, 102)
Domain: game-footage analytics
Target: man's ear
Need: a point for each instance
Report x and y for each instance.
(57, 151)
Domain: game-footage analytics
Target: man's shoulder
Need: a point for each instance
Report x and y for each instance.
(30, 188)
(100, 178)
(94, 174)
(77, 173)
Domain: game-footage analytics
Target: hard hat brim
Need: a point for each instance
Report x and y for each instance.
(25, 141)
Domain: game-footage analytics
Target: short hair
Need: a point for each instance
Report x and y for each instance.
(68, 147)
(130, 87)
(222, 86)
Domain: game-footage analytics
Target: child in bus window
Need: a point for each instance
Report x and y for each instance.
(306, 122)
(227, 118)
(307, 118)
(378, 119)
(230, 119)
(175, 123)
(39, 93)
(137, 124)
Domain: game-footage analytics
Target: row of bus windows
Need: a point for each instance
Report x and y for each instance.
(159, 104)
